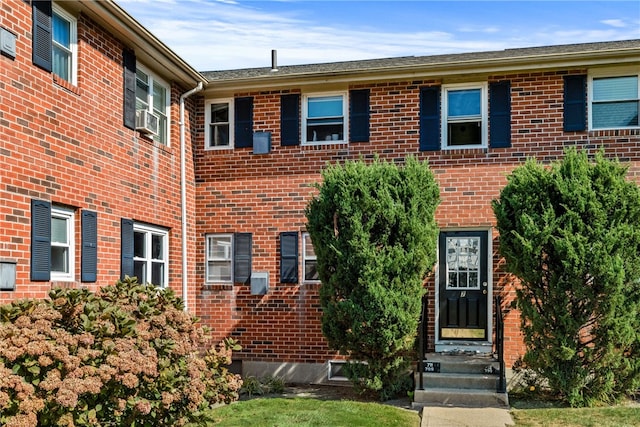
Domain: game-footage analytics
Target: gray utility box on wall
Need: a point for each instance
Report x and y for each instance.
(8, 43)
(259, 282)
(7, 275)
(261, 142)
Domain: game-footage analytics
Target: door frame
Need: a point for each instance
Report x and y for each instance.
(444, 345)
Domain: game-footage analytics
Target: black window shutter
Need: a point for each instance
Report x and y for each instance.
(290, 119)
(430, 119)
(575, 101)
(359, 115)
(89, 257)
(289, 257)
(40, 240)
(500, 114)
(129, 95)
(242, 243)
(42, 34)
(126, 248)
(243, 122)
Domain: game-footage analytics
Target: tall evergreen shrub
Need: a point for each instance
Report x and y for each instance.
(571, 234)
(374, 234)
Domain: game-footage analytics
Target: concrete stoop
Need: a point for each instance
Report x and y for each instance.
(468, 380)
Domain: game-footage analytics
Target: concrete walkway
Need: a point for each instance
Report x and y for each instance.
(447, 416)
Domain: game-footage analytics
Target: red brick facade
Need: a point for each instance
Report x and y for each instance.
(266, 195)
(66, 144)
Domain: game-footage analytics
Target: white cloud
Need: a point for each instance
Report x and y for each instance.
(488, 30)
(618, 23)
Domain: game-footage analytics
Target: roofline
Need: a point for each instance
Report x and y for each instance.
(426, 71)
(148, 48)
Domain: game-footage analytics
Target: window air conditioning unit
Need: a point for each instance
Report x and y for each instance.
(147, 122)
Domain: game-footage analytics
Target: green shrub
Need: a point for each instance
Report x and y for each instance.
(374, 234)
(126, 355)
(268, 384)
(571, 234)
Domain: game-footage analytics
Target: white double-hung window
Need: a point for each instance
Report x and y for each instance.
(309, 260)
(614, 100)
(62, 244)
(464, 111)
(153, 95)
(219, 261)
(219, 118)
(64, 45)
(325, 118)
(150, 254)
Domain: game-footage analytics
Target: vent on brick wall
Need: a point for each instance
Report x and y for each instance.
(7, 43)
(261, 142)
(7, 275)
(259, 282)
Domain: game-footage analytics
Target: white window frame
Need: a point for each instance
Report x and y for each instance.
(484, 108)
(610, 73)
(69, 217)
(153, 78)
(306, 237)
(228, 259)
(149, 231)
(73, 42)
(345, 117)
(207, 120)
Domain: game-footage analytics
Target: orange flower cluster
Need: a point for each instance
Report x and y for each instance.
(80, 358)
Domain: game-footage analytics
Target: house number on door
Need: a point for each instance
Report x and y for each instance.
(463, 294)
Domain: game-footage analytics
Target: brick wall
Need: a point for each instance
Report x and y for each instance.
(267, 194)
(67, 144)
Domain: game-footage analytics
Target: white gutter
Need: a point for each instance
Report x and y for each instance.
(183, 193)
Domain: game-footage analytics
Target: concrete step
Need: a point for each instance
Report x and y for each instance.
(479, 364)
(460, 380)
(460, 397)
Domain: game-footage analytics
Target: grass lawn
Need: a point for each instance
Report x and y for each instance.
(536, 413)
(306, 412)
(336, 407)
(583, 417)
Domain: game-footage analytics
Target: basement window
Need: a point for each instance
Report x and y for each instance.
(336, 370)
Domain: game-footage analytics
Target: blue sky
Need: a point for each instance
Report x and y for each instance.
(229, 34)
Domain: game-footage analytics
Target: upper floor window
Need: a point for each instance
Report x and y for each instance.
(219, 119)
(150, 254)
(324, 118)
(62, 244)
(64, 45)
(153, 95)
(614, 102)
(464, 116)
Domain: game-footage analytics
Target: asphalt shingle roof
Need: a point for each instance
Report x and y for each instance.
(413, 61)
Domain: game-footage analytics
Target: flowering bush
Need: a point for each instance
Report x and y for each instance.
(126, 355)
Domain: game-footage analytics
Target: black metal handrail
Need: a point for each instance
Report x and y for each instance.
(502, 382)
(422, 341)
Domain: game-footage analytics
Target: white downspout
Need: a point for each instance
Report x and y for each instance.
(183, 193)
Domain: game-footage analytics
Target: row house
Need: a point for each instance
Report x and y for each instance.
(118, 158)
(90, 150)
(267, 133)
